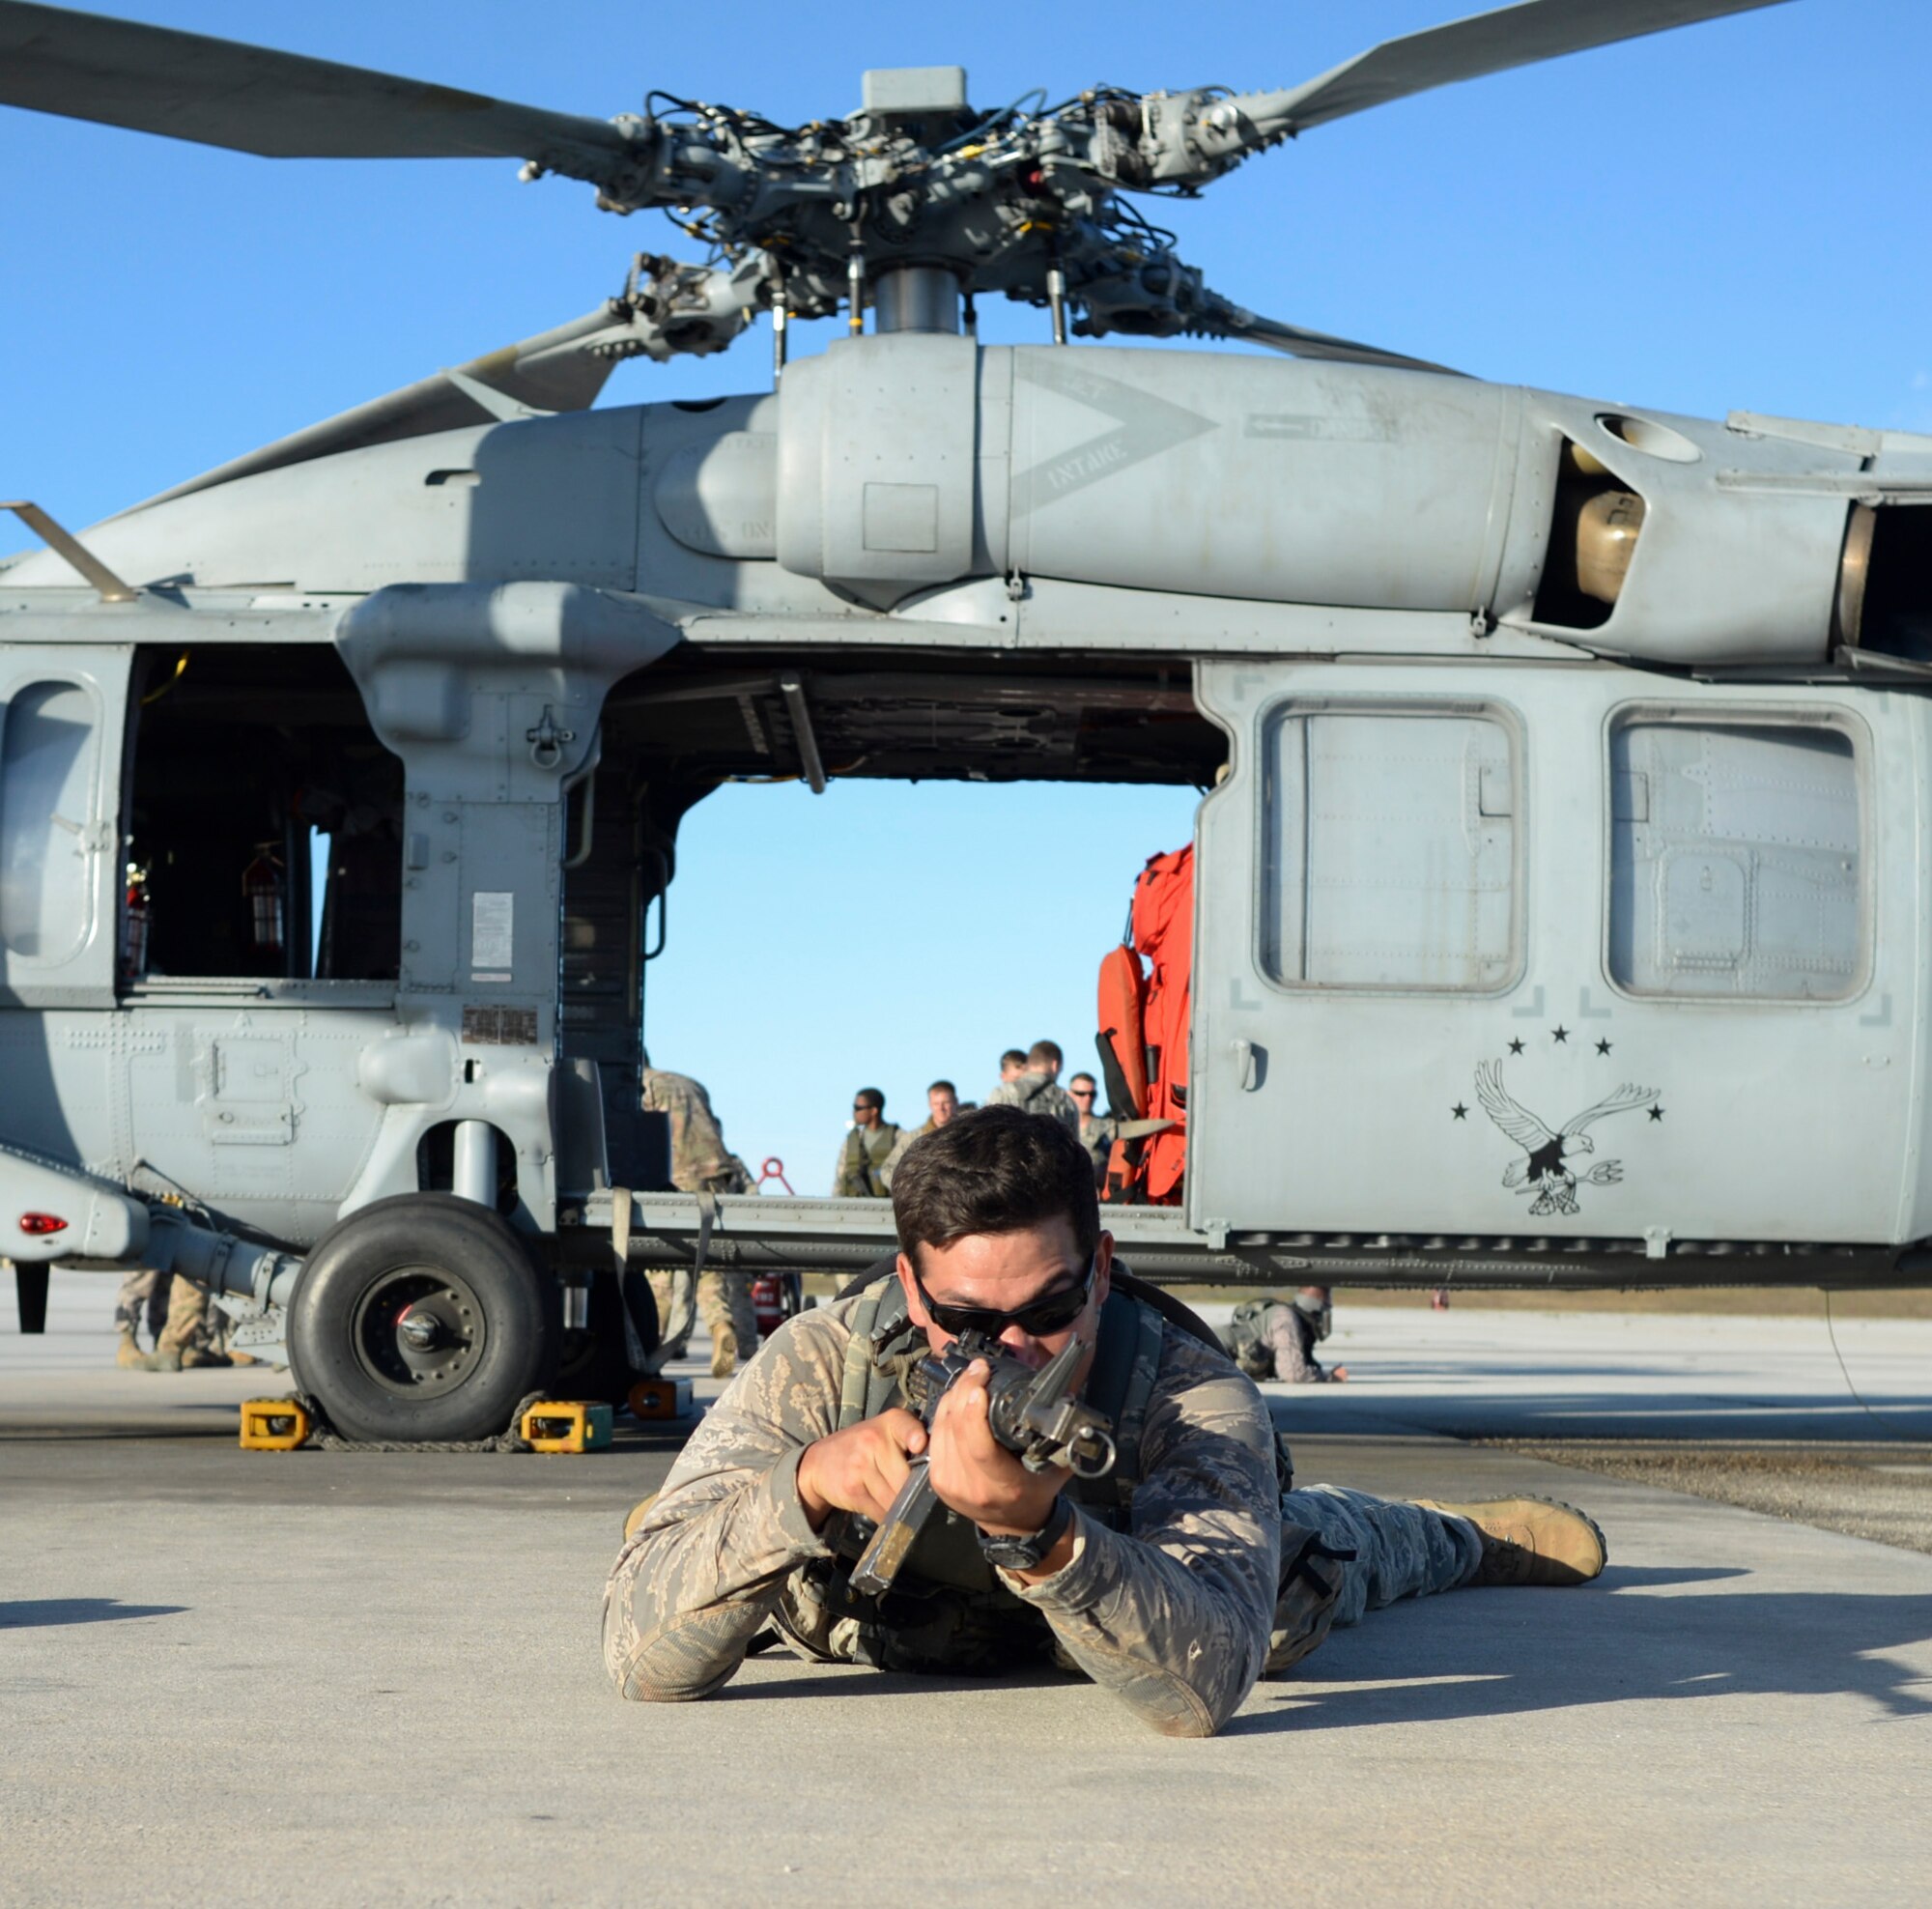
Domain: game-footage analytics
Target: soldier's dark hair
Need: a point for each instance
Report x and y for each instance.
(872, 1096)
(1013, 1057)
(944, 1087)
(995, 1170)
(1046, 1052)
(1087, 1077)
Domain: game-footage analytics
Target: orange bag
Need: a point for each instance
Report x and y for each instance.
(1122, 1044)
(1144, 1020)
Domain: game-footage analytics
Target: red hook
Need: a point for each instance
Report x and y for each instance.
(775, 1169)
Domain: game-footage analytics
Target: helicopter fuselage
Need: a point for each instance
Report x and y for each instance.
(1555, 756)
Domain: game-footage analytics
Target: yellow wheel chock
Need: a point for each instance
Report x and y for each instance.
(273, 1425)
(566, 1425)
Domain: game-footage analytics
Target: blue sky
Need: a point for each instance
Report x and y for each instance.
(1731, 215)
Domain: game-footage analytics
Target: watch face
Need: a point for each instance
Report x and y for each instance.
(1022, 1553)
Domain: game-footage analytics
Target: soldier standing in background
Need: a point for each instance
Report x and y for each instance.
(700, 1162)
(1037, 1090)
(187, 1330)
(1097, 1131)
(1012, 1064)
(860, 1173)
(139, 1303)
(941, 1103)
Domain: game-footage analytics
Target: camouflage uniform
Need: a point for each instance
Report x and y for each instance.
(863, 1162)
(1097, 1133)
(1273, 1339)
(1178, 1616)
(185, 1327)
(142, 1304)
(907, 1135)
(700, 1162)
(1038, 1093)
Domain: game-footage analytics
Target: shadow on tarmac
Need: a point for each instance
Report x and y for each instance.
(41, 1613)
(1618, 1648)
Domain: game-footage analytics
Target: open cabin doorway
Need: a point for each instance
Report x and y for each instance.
(948, 895)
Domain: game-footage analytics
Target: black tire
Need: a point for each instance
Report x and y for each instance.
(485, 1331)
(597, 1360)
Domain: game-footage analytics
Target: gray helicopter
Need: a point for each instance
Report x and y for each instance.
(1563, 762)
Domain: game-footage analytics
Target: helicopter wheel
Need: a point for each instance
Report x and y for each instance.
(422, 1318)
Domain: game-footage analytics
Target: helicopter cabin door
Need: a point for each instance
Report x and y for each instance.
(62, 708)
(1494, 952)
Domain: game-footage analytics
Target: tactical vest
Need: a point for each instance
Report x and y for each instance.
(948, 1610)
(1247, 1341)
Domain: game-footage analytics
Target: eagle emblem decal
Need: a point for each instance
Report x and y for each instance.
(1544, 1169)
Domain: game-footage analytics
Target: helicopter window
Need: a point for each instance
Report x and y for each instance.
(1735, 860)
(46, 777)
(262, 820)
(1391, 849)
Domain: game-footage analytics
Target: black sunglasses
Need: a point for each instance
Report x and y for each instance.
(1053, 1312)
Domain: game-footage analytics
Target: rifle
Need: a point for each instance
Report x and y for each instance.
(1033, 1415)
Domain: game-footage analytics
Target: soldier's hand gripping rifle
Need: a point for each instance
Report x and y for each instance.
(1033, 1415)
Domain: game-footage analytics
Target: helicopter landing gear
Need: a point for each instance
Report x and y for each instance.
(597, 1357)
(422, 1318)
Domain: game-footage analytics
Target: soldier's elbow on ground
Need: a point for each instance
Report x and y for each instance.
(676, 1662)
(637, 1686)
(1168, 1703)
(651, 1676)
(1186, 1715)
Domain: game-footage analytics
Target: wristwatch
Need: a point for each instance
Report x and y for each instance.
(1023, 1552)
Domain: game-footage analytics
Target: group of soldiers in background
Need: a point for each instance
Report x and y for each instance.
(1029, 1079)
(1270, 1337)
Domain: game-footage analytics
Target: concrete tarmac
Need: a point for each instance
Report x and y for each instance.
(357, 1677)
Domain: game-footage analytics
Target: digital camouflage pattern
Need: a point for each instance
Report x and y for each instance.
(722, 1302)
(141, 1305)
(907, 1135)
(1273, 1339)
(1222, 1576)
(700, 1162)
(177, 1316)
(1038, 1093)
(864, 1161)
(1174, 1619)
(1097, 1133)
(1366, 1553)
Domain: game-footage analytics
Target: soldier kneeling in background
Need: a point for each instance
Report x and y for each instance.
(1270, 1338)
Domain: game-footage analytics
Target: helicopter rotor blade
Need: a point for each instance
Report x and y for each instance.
(1519, 36)
(1220, 317)
(281, 105)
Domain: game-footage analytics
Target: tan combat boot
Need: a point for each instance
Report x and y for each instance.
(1531, 1541)
(199, 1356)
(129, 1354)
(723, 1351)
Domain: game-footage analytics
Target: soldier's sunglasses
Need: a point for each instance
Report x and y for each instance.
(1053, 1312)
